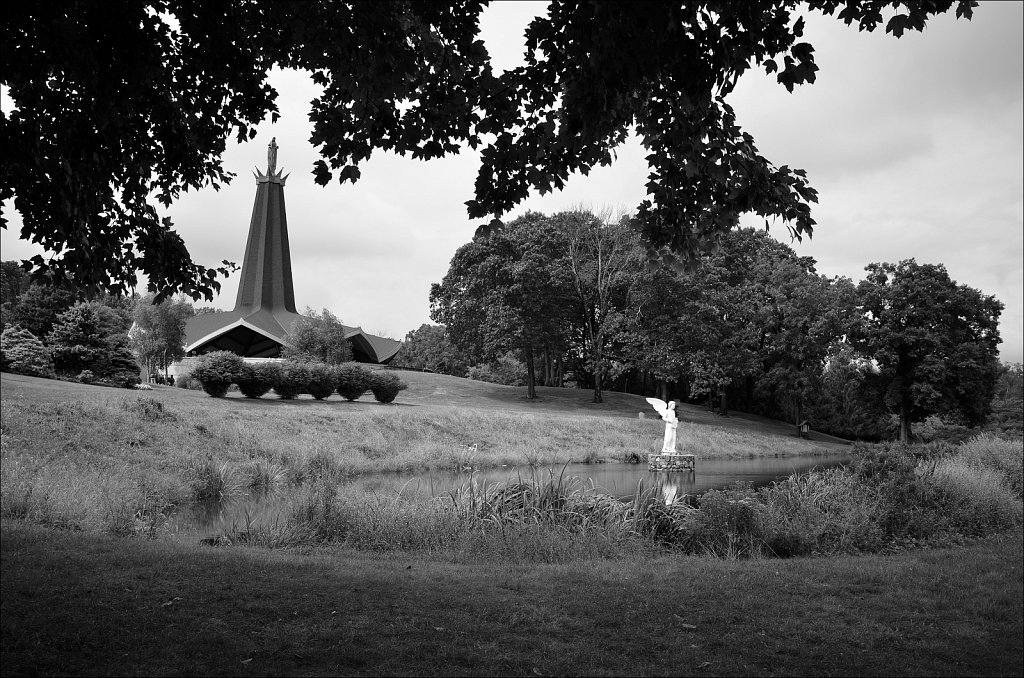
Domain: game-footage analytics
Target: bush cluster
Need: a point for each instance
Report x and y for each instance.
(217, 371)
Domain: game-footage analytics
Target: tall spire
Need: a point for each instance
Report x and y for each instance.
(266, 282)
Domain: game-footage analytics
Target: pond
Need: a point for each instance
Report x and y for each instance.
(619, 480)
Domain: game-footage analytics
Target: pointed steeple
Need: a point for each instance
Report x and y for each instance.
(264, 310)
(266, 282)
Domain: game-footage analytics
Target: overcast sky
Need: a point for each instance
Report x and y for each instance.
(915, 147)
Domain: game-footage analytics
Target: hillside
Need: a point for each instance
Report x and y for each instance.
(440, 391)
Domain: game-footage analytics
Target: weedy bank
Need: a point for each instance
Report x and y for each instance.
(119, 463)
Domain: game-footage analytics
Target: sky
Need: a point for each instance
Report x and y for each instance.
(915, 145)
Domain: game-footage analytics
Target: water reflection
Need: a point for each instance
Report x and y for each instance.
(618, 480)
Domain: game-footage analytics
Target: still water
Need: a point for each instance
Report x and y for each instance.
(619, 480)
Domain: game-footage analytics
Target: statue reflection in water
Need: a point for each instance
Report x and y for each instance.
(674, 485)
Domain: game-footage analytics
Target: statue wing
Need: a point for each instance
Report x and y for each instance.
(659, 405)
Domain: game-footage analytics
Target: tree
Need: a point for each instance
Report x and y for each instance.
(318, 337)
(428, 348)
(1008, 401)
(116, 101)
(37, 308)
(86, 338)
(13, 281)
(507, 292)
(22, 353)
(604, 260)
(935, 342)
(158, 335)
(840, 402)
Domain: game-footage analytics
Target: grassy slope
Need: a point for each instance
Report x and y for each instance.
(434, 392)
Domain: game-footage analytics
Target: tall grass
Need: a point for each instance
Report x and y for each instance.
(121, 466)
(889, 498)
(69, 463)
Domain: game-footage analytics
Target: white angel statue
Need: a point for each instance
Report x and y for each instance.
(668, 414)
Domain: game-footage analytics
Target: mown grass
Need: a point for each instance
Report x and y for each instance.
(80, 603)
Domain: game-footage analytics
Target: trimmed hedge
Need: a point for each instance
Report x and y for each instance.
(386, 386)
(217, 371)
(292, 379)
(255, 380)
(353, 380)
(322, 380)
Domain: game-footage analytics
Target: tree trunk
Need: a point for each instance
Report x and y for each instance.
(531, 374)
(904, 435)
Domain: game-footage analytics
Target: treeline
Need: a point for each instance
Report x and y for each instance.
(62, 332)
(572, 299)
(57, 332)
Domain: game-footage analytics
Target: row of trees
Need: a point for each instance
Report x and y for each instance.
(751, 323)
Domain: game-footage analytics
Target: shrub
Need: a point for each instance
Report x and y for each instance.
(322, 379)
(117, 366)
(186, 381)
(386, 386)
(507, 370)
(731, 523)
(1005, 456)
(255, 380)
(86, 377)
(23, 353)
(217, 371)
(976, 500)
(353, 380)
(292, 379)
(77, 340)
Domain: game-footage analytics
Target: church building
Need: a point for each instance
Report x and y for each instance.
(264, 311)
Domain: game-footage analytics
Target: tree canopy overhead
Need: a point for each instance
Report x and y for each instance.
(123, 103)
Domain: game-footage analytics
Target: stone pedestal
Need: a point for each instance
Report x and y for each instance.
(670, 462)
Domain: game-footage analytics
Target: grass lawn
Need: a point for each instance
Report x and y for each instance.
(85, 604)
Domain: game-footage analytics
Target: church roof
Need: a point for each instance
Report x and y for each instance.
(261, 334)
